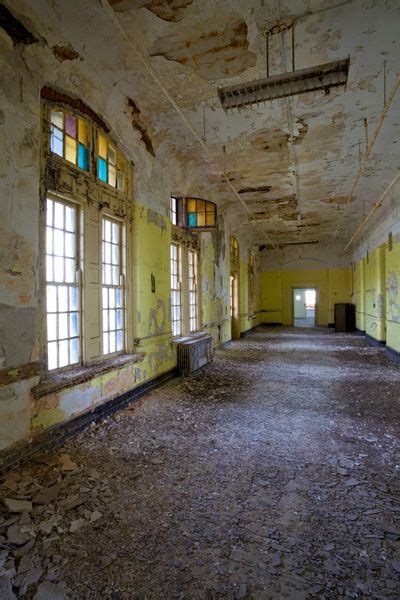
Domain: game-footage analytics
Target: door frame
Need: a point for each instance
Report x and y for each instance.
(306, 287)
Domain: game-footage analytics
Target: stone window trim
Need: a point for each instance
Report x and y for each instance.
(54, 381)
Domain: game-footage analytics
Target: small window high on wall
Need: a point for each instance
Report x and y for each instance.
(193, 213)
(62, 285)
(70, 137)
(173, 212)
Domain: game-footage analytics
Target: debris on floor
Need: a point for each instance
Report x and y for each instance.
(271, 473)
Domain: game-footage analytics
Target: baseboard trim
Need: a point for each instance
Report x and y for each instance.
(248, 331)
(394, 355)
(331, 325)
(57, 435)
(371, 340)
(269, 324)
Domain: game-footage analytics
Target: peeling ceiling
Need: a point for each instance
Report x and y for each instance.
(292, 161)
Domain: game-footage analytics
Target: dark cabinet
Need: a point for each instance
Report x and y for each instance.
(345, 317)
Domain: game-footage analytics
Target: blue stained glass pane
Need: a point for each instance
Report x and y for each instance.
(192, 219)
(83, 157)
(56, 141)
(102, 169)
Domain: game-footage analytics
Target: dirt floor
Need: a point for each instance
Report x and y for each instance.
(271, 473)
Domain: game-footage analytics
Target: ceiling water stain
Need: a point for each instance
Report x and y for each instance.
(216, 48)
(168, 10)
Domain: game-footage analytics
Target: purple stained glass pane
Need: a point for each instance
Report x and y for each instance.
(70, 125)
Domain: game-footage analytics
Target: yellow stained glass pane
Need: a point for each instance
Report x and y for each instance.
(201, 206)
(57, 118)
(201, 220)
(210, 219)
(112, 176)
(191, 205)
(102, 146)
(83, 132)
(70, 149)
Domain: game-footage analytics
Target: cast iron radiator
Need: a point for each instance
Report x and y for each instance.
(194, 353)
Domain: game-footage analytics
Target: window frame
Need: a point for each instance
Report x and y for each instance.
(122, 278)
(78, 280)
(178, 289)
(194, 292)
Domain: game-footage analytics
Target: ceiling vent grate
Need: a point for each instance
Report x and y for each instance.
(322, 77)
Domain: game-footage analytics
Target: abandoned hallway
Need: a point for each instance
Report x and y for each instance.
(271, 472)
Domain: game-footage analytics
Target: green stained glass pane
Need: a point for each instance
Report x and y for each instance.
(192, 219)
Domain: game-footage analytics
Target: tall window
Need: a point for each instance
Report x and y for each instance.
(69, 137)
(192, 272)
(62, 289)
(251, 284)
(173, 212)
(176, 295)
(112, 286)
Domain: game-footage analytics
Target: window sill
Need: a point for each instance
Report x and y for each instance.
(52, 381)
(190, 337)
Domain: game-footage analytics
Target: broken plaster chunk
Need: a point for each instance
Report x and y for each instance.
(6, 592)
(95, 516)
(28, 578)
(67, 464)
(16, 536)
(14, 505)
(46, 495)
(50, 591)
(76, 525)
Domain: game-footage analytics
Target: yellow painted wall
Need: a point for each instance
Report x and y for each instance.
(376, 285)
(375, 293)
(332, 285)
(359, 294)
(393, 295)
(151, 242)
(215, 300)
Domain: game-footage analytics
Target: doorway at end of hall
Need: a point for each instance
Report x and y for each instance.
(304, 307)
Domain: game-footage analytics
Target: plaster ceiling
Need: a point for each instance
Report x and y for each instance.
(282, 173)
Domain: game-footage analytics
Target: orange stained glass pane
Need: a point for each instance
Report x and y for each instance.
(201, 206)
(102, 146)
(191, 205)
(201, 220)
(70, 149)
(210, 218)
(83, 132)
